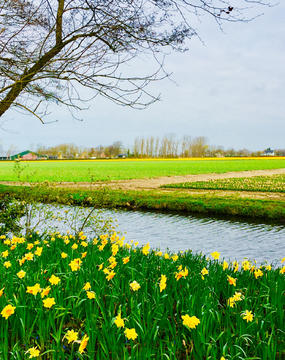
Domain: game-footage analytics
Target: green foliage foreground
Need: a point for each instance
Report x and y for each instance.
(64, 297)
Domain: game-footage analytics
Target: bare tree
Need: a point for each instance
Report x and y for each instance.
(142, 147)
(151, 146)
(156, 150)
(186, 145)
(12, 148)
(147, 148)
(137, 147)
(117, 147)
(51, 49)
(199, 146)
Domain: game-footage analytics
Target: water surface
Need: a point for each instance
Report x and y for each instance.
(233, 238)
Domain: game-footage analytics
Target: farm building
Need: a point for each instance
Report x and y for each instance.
(24, 155)
(268, 152)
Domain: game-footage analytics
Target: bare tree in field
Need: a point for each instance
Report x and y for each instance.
(156, 150)
(142, 147)
(185, 145)
(151, 146)
(12, 148)
(199, 146)
(52, 49)
(136, 147)
(117, 146)
(147, 147)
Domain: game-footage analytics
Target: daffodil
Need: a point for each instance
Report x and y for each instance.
(119, 321)
(75, 264)
(131, 334)
(39, 251)
(4, 254)
(225, 265)
(29, 256)
(215, 255)
(231, 302)
(83, 344)
(48, 302)
(7, 264)
(71, 336)
(34, 352)
(248, 316)
(113, 265)
(110, 275)
(54, 280)
(174, 257)
(231, 280)
(162, 284)
(45, 291)
(190, 322)
(63, 255)
(258, 273)
(135, 286)
(21, 274)
(8, 311)
(126, 260)
(87, 286)
(33, 289)
(90, 294)
(145, 249)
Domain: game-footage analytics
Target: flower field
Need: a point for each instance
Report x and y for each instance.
(67, 297)
(273, 183)
(105, 170)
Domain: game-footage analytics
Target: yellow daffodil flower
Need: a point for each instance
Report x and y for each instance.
(191, 322)
(119, 321)
(8, 311)
(135, 286)
(131, 334)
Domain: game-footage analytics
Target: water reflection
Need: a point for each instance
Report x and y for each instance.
(233, 238)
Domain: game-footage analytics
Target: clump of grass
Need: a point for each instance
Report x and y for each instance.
(69, 298)
(272, 183)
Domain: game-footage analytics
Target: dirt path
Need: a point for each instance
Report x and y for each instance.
(148, 184)
(152, 184)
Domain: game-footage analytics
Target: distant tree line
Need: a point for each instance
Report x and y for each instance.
(171, 146)
(73, 151)
(168, 146)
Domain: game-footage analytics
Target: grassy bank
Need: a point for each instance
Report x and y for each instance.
(105, 170)
(64, 297)
(208, 203)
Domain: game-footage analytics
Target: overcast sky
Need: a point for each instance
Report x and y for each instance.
(230, 89)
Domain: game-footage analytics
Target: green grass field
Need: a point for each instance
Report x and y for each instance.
(87, 171)
(273, 183)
